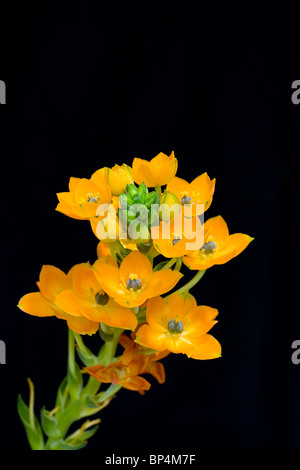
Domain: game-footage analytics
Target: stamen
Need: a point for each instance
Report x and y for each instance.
(101, 298)
(186, 200)
(208, 248)
(175, 327)
(92, 199)
(175, 240)
(134, 284)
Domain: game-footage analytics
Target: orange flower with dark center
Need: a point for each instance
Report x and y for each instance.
(85, 195)
(126, 375)
(87, 298)
(200, 191)
(52, 282)
(178, 325)
(178, 237)
(134, 282)
(156, 172)
(219, 247)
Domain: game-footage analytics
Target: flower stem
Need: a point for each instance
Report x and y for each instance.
(169, 264)
(178, 264)
(192, 282)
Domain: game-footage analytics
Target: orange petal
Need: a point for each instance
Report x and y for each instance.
(73, 183)
(199, 321)
(108, 278)
(136, 263)
(103, 250)
(70, 303)
(180, 304)
(216, 227)
(209, 349)
(162, 281)
(85, 283)
(52, 281)
(82, 325)
(36, 304)
(178, 186)
(150, 338)
(136, 384)
(118, 317)
(157, 315)
(157, 370)
(235, 244)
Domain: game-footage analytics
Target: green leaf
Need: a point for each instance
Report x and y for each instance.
(66, 446)
(49, 424)
(159, 266)
(62, 396)
(31, 424)
(71, 414)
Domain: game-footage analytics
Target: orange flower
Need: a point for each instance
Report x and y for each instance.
(199, 191)
(126, 375)
(178, 237)
(219, 247)
(176, 324)
(152, 366)
(118, 177)
(42, 304)
(87, 298)
(159, 171)
(85, 195)
(134, 282)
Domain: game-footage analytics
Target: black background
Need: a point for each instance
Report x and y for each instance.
(90, 86)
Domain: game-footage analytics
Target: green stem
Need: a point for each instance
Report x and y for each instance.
(158, 190)
(71, 352)
(178, 264)
(191, 283)
(170, 263)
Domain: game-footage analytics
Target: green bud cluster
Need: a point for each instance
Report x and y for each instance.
(139, 209)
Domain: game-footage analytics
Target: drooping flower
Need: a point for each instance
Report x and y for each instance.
(152, 366)
(42, 304)
(126, 375)
(103, 250)
(118, 178)
(87, 298)
(134, 282)
(219, 247)
(178, 237)
(85, 195)
(200, 191)
(178, 325)
(156, 172)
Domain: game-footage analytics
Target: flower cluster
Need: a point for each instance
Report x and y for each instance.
(149, 222)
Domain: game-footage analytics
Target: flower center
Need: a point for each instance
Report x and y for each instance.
(176, 239)
(208, 248)
(175, 326)
(133, 283)
(101, 298)
(186, 200)
(92, 197)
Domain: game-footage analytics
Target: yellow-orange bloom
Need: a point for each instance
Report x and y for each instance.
(85, 195)
(126, 375)
(176, 324)
(156, 172)
(178, 237)
(152, 366)
(219, 247)
(200, 191)
(42, 304)
(87, 298)
(134, 282)
(118, 177)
